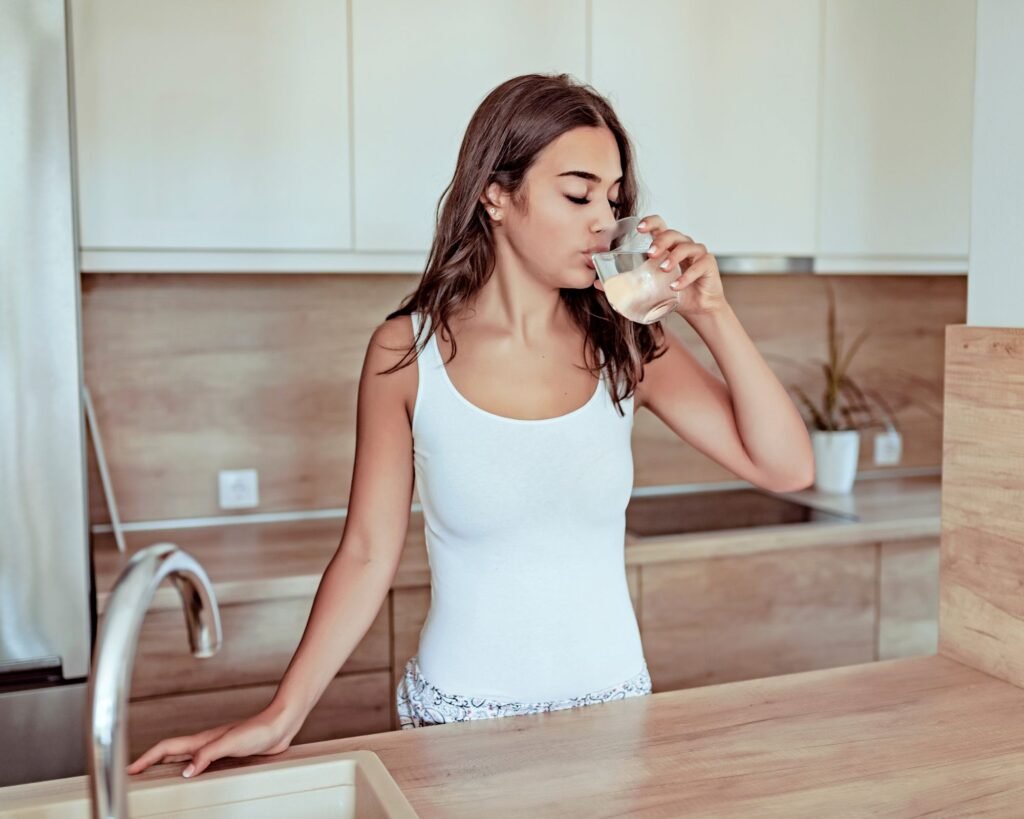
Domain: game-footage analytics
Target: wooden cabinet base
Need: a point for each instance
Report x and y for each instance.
(352, 705)
(908, 598)
(259, 640)
(719, 620)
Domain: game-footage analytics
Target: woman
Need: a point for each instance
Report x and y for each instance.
(507, 386)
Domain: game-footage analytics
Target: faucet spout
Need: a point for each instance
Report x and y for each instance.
(114, 659)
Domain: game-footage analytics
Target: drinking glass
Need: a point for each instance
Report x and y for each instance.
(636, 287)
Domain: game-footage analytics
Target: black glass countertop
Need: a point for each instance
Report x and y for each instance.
(713, 510)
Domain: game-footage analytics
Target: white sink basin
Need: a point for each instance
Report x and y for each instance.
(354, 784)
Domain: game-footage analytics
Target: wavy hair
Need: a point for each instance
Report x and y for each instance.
(506, 133)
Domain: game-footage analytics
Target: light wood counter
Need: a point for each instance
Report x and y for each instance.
(913, 737)
(263, 561)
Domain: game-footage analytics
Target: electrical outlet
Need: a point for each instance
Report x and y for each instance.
(888, 448)
(239, 488)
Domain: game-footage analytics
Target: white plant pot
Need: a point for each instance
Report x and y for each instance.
(835, 460)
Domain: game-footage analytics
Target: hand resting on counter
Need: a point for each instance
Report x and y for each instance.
(265, 733)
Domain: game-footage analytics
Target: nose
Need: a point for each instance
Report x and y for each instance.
(606, 220)
(602, 235)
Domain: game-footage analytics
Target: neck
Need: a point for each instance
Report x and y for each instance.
(515, 301)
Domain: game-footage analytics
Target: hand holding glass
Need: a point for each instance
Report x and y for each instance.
(635, 285)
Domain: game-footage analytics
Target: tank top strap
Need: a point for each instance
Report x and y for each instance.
(429, 365)
(431, 352)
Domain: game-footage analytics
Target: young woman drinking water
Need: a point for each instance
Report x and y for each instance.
(506, 387)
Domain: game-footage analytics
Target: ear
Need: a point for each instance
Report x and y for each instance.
(494, 197)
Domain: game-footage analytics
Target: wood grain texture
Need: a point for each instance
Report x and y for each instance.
(719, 620)
(785, 316)
(982, 564)
(917, 737)
(259, 640)
(908, 598)
(191, 374)
(351, 705)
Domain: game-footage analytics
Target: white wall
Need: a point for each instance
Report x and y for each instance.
(995, 281)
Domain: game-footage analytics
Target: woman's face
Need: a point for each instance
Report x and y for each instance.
(568, 193)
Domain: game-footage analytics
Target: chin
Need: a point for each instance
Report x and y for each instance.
(579, 280)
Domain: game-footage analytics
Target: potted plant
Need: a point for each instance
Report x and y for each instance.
(844, 411)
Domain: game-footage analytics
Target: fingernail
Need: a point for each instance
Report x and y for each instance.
(652, 250)
(641, 226)
(665, 265)
(191, 769)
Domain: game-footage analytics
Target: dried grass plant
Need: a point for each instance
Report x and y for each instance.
(844, 404)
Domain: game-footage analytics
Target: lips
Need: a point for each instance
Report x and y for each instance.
(589, 252)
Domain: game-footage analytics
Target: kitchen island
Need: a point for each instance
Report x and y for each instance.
(926, 736)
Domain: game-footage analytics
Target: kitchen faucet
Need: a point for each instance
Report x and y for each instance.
(115, 656)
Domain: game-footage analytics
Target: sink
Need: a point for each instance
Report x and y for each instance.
(679, 513)
(346, 785)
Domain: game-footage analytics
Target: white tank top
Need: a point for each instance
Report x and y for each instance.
(525, 533)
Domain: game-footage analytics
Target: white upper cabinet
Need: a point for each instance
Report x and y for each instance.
(320, 135)
(419, 71)
(896, 135)
(212, 126)
(721, 100)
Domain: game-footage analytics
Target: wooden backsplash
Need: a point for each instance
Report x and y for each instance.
(191, 374)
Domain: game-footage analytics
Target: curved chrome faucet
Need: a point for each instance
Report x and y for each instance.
(115, 656)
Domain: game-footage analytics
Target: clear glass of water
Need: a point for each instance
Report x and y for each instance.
(636, 287)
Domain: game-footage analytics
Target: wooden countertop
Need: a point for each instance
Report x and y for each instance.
(271, 560)
(924, 736)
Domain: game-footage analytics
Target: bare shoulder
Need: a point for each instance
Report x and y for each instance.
(393, 336)
(388, 345)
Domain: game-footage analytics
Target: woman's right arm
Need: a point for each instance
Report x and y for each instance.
(358, 577)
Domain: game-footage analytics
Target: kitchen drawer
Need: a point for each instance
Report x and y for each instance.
(259, 640)
(351, 705)
(908, 598)
(736, 618)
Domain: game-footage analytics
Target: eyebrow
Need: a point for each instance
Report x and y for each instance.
(590, 177)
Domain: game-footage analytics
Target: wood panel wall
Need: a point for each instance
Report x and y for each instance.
(982, 561)
(191, 374)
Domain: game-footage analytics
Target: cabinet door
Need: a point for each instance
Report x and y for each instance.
(896, 135)
(908, 598)
(721, 100)
(409, 608)
(419, 71)
(719, 620)
(212, 126)
(351, 705)
(260, 638)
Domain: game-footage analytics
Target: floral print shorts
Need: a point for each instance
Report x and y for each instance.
(420, 704)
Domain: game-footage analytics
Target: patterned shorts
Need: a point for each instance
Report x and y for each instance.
(420, 704)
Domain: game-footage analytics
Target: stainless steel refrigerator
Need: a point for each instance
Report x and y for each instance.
(46, 598)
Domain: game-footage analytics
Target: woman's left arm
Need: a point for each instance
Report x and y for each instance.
(748, 424)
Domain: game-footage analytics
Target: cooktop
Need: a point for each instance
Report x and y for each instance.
(706, 511)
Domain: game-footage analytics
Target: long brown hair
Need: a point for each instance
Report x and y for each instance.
(513, 124)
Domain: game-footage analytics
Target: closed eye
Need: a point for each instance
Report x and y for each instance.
(579, 200)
